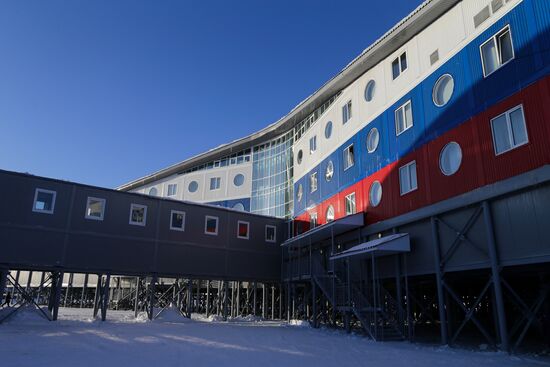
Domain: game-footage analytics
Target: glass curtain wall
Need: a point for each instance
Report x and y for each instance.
(272, 178)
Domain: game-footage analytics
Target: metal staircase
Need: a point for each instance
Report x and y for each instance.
(378, 322)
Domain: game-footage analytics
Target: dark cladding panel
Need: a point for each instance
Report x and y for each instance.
(29, 248)
(125, 255)
(259, 266)
(521, 225)
(187, 260)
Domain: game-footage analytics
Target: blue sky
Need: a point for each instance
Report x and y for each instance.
(106, 91)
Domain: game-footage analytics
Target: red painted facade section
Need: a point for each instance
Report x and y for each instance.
(480, 165)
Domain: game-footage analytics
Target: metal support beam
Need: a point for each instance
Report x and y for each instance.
(207, 298)
(255, 299)
(3, 282)
(152, 291)
(439, 281)
(84, 291)
(264, 301)
(57, 295)
(189, 297)
(97, 296)
(495, 269)
(272, 302)
(136, 298)
(225, 294)
(314, 304)
(105, 300)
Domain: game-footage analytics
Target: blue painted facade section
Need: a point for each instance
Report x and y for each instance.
(530, 28)
(231, 203)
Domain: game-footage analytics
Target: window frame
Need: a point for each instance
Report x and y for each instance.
(313, 178)
(328, 177)
(370, 89)
(313, 220)
(218, 180)
(344, 157)
(247, 230)
(169, 186)
(235, 177)
(399, 63)
(91, 217)
(182, 228)
(496, 38)
(189, 186)
(312, 144)
(274, 240)
(445, 149)
(138, 206)
(328, 130)
(407, 166)
(45, 191)
(347, 112)
(333, 214)
(509, 129)
(438, 83)
(403, 107)
(217, 219)
(372, 185)
(348, 199)
(370, 134)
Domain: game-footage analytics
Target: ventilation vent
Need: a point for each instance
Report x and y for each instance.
(434, 57)
(482, 16)
(496, 4)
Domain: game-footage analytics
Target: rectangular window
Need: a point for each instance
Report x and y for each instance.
(312, 144)
(242, 229)
(270, 233)
(95, 208)
(350, 204)
(177, 220)
(346, 112)
(403, 118)
(509, 130)
(138, 215)
(313, 182)
(497, 51)
(399, 65)
(349, 158)
(211, 225)
(44, 201)
(407, 178)
(312, 220)
(215, 183)
(172, 189)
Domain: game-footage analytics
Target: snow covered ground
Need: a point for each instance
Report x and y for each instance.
(170, 340)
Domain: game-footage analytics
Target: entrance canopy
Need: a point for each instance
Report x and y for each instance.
(389, 245)
(326, 231)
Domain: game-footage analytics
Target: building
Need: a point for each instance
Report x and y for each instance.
(415, 184)
(439, 131)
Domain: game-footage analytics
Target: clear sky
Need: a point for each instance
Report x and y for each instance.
(106, 91)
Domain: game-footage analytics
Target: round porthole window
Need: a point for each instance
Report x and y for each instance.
(375, 193)
(328, 130)
(369, 90)
(300, 156)
(330, 213)
(330, 171)
(450, 159)
(443, 90)
(153, 191)
(300, 193)
(193, 186)
(239, 207)
(373, 138)
(238, 180)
